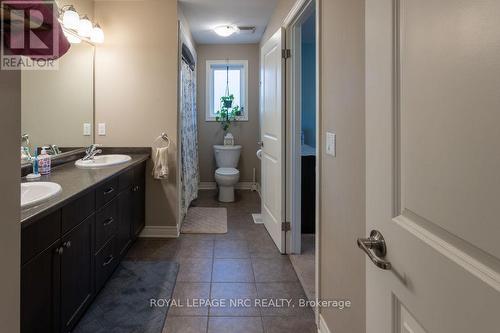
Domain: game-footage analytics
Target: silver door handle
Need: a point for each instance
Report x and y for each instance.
(374, 246)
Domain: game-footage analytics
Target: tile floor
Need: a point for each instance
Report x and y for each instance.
(242, 264)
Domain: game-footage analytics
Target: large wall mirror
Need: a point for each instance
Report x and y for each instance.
(58, 105)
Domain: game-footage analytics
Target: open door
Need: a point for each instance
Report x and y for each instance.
(272, 131)
(433, 165)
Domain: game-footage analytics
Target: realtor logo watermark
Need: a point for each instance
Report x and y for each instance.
(30, 40)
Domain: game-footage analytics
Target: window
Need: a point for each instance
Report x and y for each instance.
(219, 74)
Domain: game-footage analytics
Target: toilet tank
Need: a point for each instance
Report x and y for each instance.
(227, 156)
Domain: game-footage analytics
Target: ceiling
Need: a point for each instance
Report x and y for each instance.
(204, 15)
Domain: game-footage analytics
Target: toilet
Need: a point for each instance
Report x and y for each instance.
(226, 175)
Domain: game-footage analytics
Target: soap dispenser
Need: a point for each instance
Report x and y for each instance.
(44, 162)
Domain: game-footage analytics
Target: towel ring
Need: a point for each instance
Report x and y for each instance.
(163, 136)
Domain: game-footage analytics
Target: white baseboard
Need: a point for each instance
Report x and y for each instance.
(239, 186)
(159, 232)
(323, 328)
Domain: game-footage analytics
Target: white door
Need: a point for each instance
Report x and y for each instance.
(433, 164)
(272, 124)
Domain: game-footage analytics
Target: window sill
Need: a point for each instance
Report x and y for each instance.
(238, 119)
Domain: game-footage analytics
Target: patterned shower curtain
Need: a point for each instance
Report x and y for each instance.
(189, 138)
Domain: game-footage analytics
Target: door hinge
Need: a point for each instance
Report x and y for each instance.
(286, 53)
(285, 226)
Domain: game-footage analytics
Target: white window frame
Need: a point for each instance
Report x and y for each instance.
(209, 113)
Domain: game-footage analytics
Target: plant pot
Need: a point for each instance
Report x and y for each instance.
(228, 104)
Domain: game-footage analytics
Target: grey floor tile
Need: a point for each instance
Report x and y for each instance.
(235, 325)
(238, 298)
(184, 294)
(273, 270)
(205, 237)
(194, 269)
(232, 270)
(185, 325)
(189, 248)
(289, 325)
(231, 249)
(291, 291)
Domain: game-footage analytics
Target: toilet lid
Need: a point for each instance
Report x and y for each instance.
(227, 171)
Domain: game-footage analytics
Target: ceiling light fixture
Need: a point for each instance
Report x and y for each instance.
(225, 30)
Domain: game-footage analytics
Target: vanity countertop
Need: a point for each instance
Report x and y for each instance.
(74, 181)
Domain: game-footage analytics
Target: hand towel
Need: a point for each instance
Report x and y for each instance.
(160, 163)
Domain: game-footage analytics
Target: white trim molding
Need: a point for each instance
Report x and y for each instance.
(209, 87)
(152, 231)
(322, 327)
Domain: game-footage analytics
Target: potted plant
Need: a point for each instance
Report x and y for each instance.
(227, 114)
(227, 101)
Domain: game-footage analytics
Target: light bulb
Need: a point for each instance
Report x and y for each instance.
(85, 27)
(225, 30)
(71, 19)
(72, 38)
(97, 35)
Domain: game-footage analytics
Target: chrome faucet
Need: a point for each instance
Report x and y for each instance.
(91, 152)
(25, 146)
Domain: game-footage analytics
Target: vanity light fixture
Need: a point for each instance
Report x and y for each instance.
(225, 30)
(97, 35)
(85, 27)
(77, 28)
(71, 19)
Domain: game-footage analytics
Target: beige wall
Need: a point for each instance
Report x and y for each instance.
(282, 9)
(136, 88)
(10, 175)
(246, 133)
(342, 214)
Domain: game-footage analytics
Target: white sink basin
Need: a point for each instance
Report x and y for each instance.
(35, 193)
(101, 161)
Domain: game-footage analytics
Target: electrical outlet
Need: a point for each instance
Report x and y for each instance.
(87, 129)
(102, 129)
(331, 144)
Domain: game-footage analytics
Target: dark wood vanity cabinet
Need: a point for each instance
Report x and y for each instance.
(68, 255)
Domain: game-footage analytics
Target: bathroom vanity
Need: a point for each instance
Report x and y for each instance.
(72, 244)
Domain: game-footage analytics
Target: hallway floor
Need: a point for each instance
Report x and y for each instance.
(304, 265)
(242, 264)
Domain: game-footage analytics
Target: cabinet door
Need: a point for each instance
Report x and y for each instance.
(124, 231)
(40, 292)
(77, 285)
(139, 199)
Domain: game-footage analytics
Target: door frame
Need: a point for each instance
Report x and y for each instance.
(293, 196)
(294, 109)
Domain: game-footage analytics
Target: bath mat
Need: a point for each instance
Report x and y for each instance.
(205, 220)
(123, 305)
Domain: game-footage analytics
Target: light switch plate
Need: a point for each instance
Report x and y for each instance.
(87, 129)
(331, 144)
(102, 129)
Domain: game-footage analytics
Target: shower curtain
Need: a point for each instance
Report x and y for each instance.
(189, 137)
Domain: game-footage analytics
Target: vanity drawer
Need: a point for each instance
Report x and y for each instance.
(39, 235)
(77, 211)
(106, 192)
(105, 262)
(126, 179)
(106, 224)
